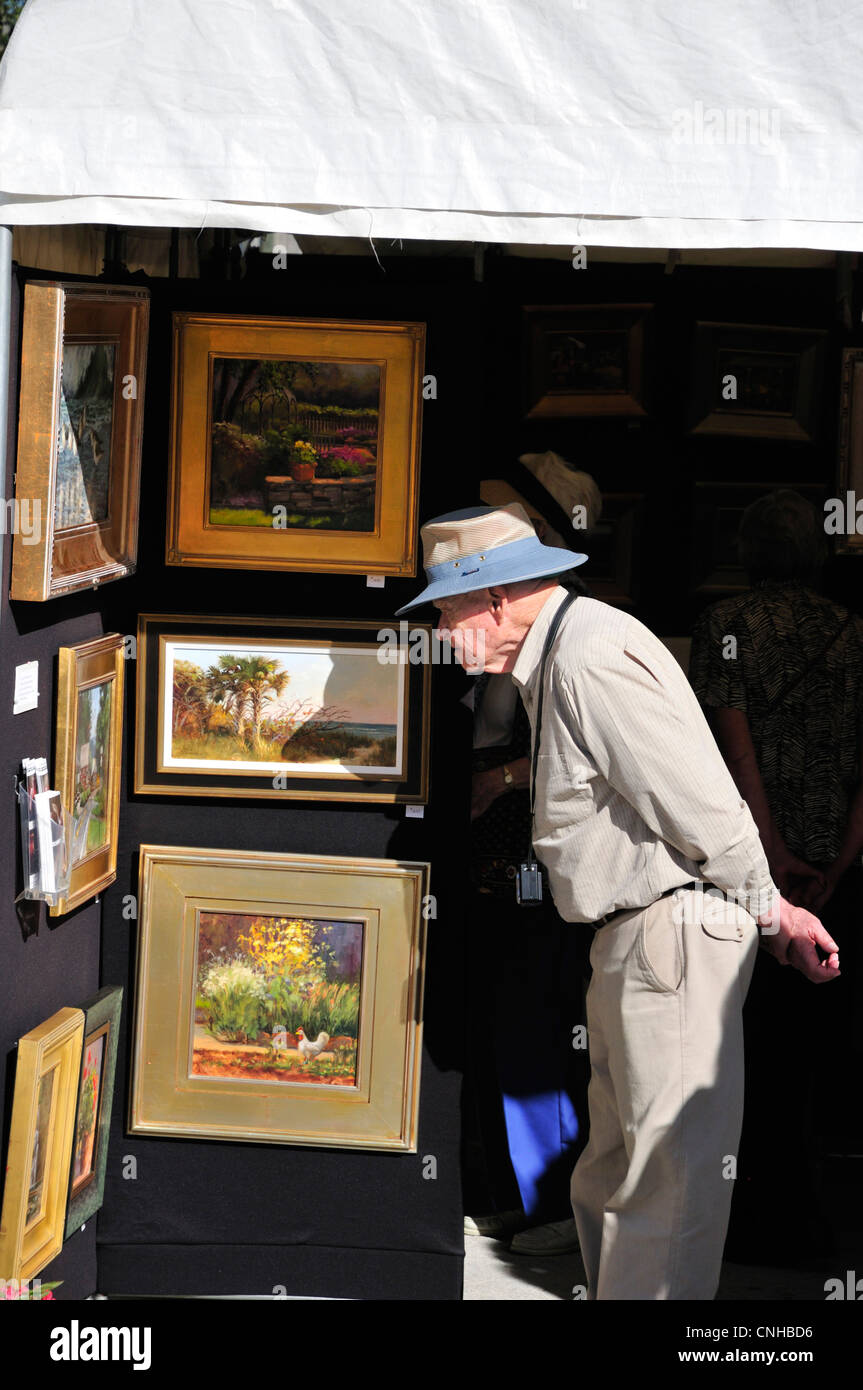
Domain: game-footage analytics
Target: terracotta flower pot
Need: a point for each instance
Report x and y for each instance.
(302, 472)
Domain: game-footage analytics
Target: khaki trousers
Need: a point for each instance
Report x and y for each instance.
(652, 1190)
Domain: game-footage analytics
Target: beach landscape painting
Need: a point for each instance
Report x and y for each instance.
(291, 707)
(277, 998)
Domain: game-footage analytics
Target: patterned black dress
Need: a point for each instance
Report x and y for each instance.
(808, 745)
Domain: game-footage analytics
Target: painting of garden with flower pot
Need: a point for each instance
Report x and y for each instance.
(294, 444)
(277, 998)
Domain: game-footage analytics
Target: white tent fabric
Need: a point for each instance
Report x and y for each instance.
(596, 122)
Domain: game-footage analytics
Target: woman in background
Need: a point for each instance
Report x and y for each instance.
(779, 670)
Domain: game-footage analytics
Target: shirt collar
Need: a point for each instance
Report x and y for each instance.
(526, 667)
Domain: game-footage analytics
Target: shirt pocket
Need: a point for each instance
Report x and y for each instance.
(564, 792)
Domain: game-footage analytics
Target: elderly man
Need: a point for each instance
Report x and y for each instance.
(645, 836)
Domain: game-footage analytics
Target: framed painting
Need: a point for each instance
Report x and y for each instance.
(757, 382)
(93, 1114)
(88, 754)
(83, 364)
(295, 444)
(718, 511)
(279, 998)
(849, 541)
(584, 360)
(40, 1145)
(264, 707)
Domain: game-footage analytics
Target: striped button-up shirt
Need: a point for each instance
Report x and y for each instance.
(633, 796)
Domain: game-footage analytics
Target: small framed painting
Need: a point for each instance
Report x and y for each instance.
(88, 761)
(95, 1096)
(717, 513)
(40, 1145)
(757, 382)
(295, 444)
(83, 364)
(262, 707)
(584, 360)
(849, 536)
(278, 998)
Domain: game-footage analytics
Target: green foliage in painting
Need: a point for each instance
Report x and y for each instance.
(236, 995)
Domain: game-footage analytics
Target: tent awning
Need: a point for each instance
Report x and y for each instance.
(597, 122)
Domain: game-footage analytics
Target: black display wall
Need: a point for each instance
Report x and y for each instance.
(208, 1218)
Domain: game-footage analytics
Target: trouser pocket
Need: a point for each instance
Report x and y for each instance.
(660, 947)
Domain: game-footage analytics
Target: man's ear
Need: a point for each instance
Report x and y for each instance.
(497, 604)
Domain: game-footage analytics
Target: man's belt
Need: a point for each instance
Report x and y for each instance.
(619, 911)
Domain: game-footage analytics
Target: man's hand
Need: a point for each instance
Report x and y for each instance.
(792, 935)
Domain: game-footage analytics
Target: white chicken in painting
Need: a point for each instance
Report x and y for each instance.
(311, 1050)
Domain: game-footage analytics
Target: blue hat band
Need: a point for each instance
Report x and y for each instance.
(469, 565)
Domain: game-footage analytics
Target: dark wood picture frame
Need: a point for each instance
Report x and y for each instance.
(717, 511)
(584, 360)
(775, 374)
(850, 469)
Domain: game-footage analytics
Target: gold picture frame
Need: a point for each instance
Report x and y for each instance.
(83, 367)
(218, 1050)
(40, 1145)
(295, 444)
(363, 723)
(87, 769)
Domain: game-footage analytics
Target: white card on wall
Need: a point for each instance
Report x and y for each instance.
(26, 687)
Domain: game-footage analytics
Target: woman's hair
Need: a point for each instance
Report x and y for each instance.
(781, 536)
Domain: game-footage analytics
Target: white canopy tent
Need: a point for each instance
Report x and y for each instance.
(598, 122)
(544, 122)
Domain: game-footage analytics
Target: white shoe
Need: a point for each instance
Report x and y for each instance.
(556, 1238)
(497, 1224)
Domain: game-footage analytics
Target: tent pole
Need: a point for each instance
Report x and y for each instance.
(5, 336)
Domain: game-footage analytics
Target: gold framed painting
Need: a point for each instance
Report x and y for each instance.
(279, 998)
(295, 444)
(83, 365)
(319, 709)
(40, 1145)
(87, 761)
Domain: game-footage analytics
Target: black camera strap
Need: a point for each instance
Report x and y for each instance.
(549, 640)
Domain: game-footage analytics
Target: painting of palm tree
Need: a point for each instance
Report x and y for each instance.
(268, 706)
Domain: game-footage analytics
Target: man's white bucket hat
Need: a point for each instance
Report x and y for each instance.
(483, 546)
